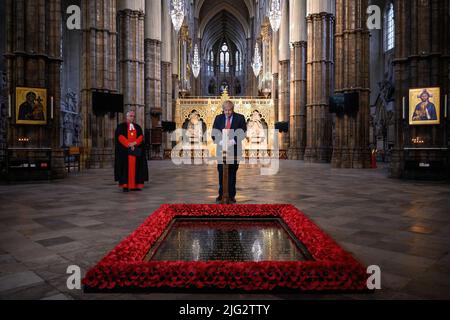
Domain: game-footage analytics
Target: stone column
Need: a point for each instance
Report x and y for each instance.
(175, 69)
(185, 44)
(421, 61)
(4, 90)
(251, 79)
(275, 68)
(320, 70)
(131, 56)
(166, 74)
(153, 110)
(33, 59)
(298, 37)
(251, 83)
(98, 73)
(284, 56)
(266, 34)
(351, 142)
(70, 81)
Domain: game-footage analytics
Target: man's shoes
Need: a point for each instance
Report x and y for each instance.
(219, 200)
(126, 190)
(136, 189)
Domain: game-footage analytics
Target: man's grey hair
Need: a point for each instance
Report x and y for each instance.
(228, 102)
(130, 111)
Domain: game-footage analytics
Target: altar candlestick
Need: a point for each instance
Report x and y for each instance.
(51, 107)
(446, 106)
(404, 108)
(9, 106)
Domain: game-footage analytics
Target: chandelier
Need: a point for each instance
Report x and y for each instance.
(257, 63)
(177, 13)
(196, 63)
(265, 84)
(275, 15)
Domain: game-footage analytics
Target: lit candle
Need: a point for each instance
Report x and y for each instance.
(51, 107)
(9, 106)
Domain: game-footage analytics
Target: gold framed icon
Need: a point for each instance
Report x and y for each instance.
(424, 106)
(31, 106)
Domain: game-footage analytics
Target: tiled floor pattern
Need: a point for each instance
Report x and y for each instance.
(402, 226)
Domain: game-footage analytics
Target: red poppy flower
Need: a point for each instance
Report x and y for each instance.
(331, 269)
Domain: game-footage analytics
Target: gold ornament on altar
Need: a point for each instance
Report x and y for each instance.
(225, 96)
(259, 113)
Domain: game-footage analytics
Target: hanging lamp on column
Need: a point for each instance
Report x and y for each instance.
(196, 62)
(275, 15)
(177, 13)
(257, 63)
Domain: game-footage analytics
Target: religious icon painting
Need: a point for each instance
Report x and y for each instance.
(424, 106)
(31, 106)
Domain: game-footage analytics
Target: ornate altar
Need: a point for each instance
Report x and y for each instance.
(196, 116)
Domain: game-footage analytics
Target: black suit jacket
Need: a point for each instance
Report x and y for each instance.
(239, 125)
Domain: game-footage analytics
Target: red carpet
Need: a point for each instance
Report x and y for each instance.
(124, 268)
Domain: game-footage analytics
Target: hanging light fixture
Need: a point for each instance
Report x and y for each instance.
(196, 62)
(257, 63)
(177, 13)
(275, 15)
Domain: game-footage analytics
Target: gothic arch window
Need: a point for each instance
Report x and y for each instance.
(211, 63)
(238, 62)
(224, 58)
(389, 28)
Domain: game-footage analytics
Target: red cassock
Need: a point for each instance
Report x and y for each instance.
(125, 141)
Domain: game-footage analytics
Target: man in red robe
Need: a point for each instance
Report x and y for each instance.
(130, 167)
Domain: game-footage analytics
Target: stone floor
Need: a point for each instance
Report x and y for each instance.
(402, 226)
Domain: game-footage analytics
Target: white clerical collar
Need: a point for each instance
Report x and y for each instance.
(131, 126)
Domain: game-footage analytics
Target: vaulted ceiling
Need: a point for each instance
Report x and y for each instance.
(241, 5)
(221, 27)
(224, 19)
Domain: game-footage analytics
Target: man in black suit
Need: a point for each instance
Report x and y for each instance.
(237, 127)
